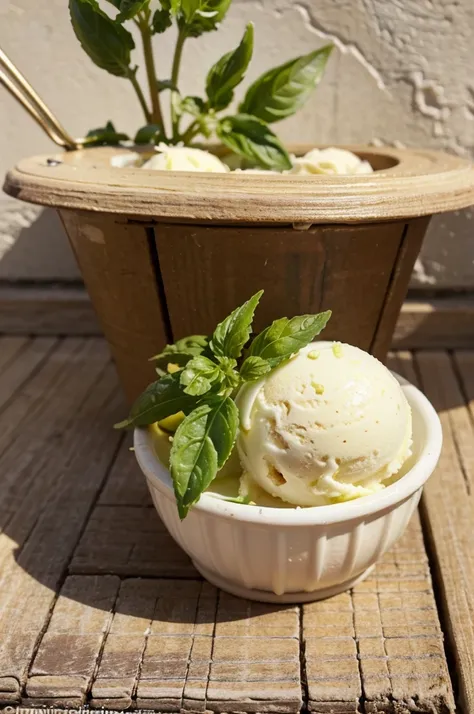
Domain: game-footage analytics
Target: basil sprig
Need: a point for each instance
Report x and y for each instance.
(200, 375)
(276, 94)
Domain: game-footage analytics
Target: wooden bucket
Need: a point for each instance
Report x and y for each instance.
(168, 254)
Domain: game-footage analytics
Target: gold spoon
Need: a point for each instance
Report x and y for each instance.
(21, 89)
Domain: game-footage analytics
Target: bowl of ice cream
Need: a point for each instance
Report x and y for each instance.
(331, 456)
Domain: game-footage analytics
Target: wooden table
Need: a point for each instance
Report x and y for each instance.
(99, 606)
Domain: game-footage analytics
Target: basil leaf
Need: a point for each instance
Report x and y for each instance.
(130, 8)
(232, 333)
(193, 345)
(193, 105)
(199, 16)
(148, 134)
(161, 21)
(199, 375)
(201, 445)
(282, 91)
(107, 44)
(250, 137)
(160, 399)
(105, 135)
(228, 72)
(285, 337)
(254, 368)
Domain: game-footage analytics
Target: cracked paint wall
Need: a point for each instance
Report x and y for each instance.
(402, 73)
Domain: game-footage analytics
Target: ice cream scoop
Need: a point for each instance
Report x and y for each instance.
(330, 425)
(183, 158)
(330, 161)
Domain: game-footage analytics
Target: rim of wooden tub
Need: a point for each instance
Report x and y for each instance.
(406, 183)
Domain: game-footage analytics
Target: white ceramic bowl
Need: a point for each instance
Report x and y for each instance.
(301, 554)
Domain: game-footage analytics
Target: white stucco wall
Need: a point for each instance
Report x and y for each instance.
(403, 73)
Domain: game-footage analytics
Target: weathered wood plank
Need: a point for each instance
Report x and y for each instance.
(119, 272)
(126, 485)
(301, 272)
(75, 477)
(47, 310)
(443, 323)
(255, 659)
(10, 348)
(44, 430)
(62, 669)
(116, 679)
(129, 540)
(16, 371)
(448, 514)
(375, 642)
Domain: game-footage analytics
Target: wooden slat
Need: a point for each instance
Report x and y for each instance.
(26, 459)
(75, 477)
(119, 272)
(409, 248)
(301, 272)
(129, 540)
(255, 659)
(125, 484)
(10, 348)
(47, 310)
(117, 675)
(382, 642)
(68, 652)
(16, 371)
(442, 323)
(448, 514)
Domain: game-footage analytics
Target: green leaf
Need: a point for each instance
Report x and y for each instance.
(105, 135)
(193, 105)
(250, 137)
(228, 72)
(193, 345)
(199, 375)
(179, 358)
(201, 445)
(254, 368)
(149, 134)
(130, 8)
(285, 337)
(198, 16)
(161, 21)
(160, 399)
(282, 91)
(232, 333)
(107, 43)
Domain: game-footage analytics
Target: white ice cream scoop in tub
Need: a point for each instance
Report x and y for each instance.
(296, 554)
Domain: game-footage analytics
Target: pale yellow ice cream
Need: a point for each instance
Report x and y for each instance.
(330, 161)
(316, 161)
(330, 425)
(183, 158)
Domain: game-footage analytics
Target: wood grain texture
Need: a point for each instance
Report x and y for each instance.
(408, 250)
(382, 642)
(442, 323)
(63, 490)
(447, 506)
(411, 183)
(175, 643)
(117, 267)
(129, 540)
(67, 656)
(207, 271)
